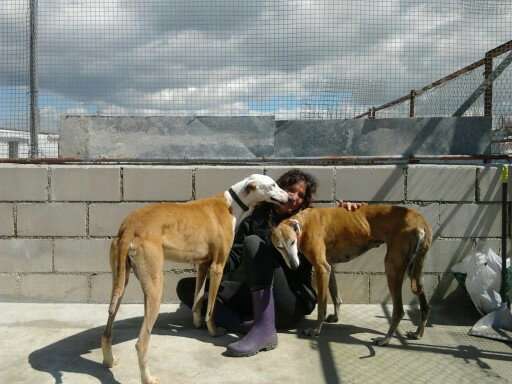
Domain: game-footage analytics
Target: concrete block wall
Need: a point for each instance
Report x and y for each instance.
(57, 221)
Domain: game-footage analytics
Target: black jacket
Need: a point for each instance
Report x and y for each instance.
(260, 223)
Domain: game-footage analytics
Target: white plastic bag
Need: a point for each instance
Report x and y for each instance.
(483, 278)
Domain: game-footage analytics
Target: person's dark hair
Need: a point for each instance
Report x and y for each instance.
(294, 176)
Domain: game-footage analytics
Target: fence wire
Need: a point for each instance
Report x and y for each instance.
(293, 59)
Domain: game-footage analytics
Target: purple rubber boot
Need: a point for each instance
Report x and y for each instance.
(262, 336)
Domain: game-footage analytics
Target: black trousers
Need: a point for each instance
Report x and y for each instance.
(258, 268)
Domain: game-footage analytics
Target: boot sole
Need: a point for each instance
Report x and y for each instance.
(268, 347)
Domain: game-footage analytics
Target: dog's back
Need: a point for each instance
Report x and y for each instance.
(348, 234)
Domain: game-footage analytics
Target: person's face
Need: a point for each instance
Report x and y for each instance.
(296, 195)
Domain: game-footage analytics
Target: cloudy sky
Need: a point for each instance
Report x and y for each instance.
(228, 57)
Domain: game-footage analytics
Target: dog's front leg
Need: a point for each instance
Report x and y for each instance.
(323, 271)
(336, 300)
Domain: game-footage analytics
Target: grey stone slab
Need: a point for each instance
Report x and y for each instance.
(353, 288)
(26, 255)
(9, 287)
(85, 183)
(105, 218)
(82, 255)
(383, 137)
(52, 287)
(441, 183)
(212, 180)
(52, 219)
(167, 137)
(470, 220)
(370, 183)
(23, 182)
(157, 183)
(7, 219)
(490, 184)
(447, 252)
(323, 175)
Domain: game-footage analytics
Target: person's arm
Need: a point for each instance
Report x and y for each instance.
(349, 206)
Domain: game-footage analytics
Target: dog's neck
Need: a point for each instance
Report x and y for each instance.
(239, 213)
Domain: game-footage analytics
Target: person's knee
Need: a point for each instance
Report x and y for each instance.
(252, 244)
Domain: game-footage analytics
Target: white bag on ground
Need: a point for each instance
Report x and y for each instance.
(483, 278)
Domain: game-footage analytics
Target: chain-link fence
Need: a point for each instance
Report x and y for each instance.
(297, 59)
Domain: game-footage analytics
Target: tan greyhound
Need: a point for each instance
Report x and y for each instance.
(199, 232)
(332, 235)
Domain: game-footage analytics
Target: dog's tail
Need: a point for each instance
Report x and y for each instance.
(120, 265)
(417, 258)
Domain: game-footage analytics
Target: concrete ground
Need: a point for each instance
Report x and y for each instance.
(60, 343)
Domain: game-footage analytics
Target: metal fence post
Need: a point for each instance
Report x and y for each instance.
(488, 90)
(411, 105)
(34, 109)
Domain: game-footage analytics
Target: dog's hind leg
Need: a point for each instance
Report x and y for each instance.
(417, 288)
(395, 266)
(216, 270)
(336, 299)
(106, 340)
(150, 275)
(197, 317)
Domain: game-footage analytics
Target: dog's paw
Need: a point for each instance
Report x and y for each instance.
(331, 319)
(381, 341)
(151, 380)
(197, 320)
(110, 362)
(412, 335)
(310, 332)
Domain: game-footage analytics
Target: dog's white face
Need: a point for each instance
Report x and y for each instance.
(259, 188)
(285, 239)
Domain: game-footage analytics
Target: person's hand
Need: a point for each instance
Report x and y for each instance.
(349, 206)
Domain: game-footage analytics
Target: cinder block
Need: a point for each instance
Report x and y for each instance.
(490, 184)
(82, 255)
(23, 182)
(85, 183)
(212, 180)
(170, 282)
(53, 219)
(105, 219)
(371, 261)
(323, 175)
(9, 287)
(441, 183)
(6, 220)
(101, 289)
(445, 253)
(157, 183)
(54, 287)
(370, 183)
(470, 220)
(26, 255)
(379, 291)
(353, 288)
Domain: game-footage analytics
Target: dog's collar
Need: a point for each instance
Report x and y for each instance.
(237, 199)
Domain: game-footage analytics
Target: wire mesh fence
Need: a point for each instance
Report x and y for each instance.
(291, 59)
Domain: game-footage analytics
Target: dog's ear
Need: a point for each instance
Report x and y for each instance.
(249, 187)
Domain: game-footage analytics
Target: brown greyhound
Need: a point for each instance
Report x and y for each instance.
(199, 232)
(332, 235)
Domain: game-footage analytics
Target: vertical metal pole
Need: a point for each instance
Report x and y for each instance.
(34, 110)
(411, 105)
(488, 89)
(504, 219)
